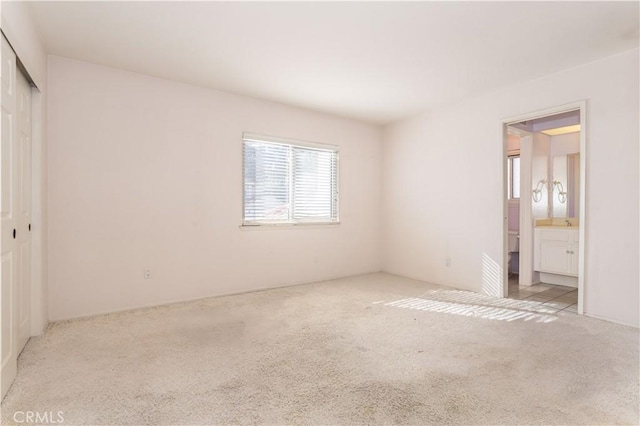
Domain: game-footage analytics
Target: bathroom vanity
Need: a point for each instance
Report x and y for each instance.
(555, 254)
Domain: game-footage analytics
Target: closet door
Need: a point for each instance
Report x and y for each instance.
(8, 214)
(23, 151)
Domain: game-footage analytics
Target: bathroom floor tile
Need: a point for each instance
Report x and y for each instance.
(559, 289)
(544, 309)
(555, 292)
(571, 297)
(538, 288)
(539, 298)
(544, 298)
(557, 304)
(522, 294)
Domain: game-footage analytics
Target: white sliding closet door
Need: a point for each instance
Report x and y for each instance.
(15, 213)
(8, 213)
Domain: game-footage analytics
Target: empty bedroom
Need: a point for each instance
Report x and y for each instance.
(326, 213)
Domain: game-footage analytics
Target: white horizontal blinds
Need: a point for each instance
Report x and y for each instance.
(287, 183)
(266, 181)
(314, 184)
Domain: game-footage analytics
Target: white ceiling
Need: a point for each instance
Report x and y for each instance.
(374, 61)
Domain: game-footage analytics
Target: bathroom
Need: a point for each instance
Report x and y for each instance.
(543, 205)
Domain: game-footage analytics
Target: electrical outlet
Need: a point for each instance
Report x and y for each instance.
(447, 262)
(147, 273)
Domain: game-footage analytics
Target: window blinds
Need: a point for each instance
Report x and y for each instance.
(288, 183)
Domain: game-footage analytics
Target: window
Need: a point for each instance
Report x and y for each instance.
(289, 182)
(513, 170)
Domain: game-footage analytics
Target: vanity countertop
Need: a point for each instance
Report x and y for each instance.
(558, 222)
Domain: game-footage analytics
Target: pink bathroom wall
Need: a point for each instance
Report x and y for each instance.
(514, 217)
(513, 144)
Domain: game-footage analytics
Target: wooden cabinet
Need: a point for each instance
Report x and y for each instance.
(556, 250)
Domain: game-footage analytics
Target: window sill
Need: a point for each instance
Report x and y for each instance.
(268, 226)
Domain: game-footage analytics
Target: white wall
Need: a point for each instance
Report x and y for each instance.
(23, 37)
(442, 190)
(148, 172)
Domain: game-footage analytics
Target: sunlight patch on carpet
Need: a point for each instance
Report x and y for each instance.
(472, 310)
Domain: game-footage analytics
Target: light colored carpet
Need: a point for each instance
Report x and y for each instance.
(372, 349)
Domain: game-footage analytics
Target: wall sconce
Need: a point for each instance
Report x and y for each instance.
(562, 195)
(536, 193)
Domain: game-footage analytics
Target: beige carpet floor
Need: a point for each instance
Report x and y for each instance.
(372, 349)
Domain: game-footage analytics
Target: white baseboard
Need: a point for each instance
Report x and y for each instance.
(611, 320)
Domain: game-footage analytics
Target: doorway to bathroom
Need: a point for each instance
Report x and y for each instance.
(544, 157)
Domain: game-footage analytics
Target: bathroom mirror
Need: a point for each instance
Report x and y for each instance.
(565, 197)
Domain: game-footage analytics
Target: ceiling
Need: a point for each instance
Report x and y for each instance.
(373, 61)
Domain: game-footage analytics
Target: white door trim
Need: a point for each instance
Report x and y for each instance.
(582, 107)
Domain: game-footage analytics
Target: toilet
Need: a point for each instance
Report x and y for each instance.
(513, 247)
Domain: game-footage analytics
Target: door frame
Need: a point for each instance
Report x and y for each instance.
(573, 106)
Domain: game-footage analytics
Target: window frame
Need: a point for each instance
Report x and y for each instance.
(266, 224)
